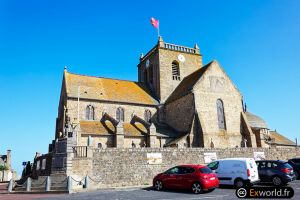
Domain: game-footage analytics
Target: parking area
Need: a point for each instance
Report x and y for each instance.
(147, 193)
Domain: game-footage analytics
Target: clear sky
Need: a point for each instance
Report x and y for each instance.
(256, 41)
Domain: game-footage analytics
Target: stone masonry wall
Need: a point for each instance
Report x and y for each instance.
(214, 85)
(180, 113)
(125, 167)
(166, 57)
(109, 108)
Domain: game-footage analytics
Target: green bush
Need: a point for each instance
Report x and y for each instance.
(3, 167)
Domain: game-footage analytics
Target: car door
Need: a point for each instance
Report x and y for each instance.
(262, 170)
(170, 178)
(185, 177)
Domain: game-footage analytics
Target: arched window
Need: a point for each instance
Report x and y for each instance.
(175, 71)
(147, 115)
(221, 115)
(89, 112)
(120, 114)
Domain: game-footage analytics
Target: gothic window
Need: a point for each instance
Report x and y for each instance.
(145, 76)
(221, 115)
(120, 114)
(147, 115)
(175, 71)
(150, 74)
(89, 112)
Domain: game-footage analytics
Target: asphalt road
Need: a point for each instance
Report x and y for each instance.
(150, 194)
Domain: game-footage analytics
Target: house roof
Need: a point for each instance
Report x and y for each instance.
(280, 139)
(107, 128)
(255, 121)
(130, 130)
(106, 89)
(187, 84)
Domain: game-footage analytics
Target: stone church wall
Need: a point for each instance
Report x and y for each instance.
(166, 57)
(180, 113)
(124, 167)
(107, 107)
(216, 85)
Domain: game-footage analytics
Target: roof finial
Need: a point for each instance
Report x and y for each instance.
(65, 68)
(141, 56)
(196, 47)
(161, 42)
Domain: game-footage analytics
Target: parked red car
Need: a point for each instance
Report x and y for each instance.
(194, 177)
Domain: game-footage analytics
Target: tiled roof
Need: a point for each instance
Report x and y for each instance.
(131, 130)
(107, 128)
(106, 89)
(187, 84)
(280, 139)
(255, 121)
(97, 127)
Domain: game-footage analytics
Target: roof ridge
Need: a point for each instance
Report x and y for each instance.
(102, 77)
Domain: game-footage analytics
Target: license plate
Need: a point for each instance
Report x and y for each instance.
(212, 178)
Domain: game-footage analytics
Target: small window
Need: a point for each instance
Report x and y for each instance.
(213, 165)
(186, 170)
(89, 113)
(175, 71)
(120, 114)
(100, 145)
(147, 115)
(174, 170)
(221, 115)
(205, 170)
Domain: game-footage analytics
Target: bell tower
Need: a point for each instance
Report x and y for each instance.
(166, 65)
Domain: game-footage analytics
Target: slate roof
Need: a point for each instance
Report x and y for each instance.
(256, 121)
(97, 88)
(280, 139)
(187, 84)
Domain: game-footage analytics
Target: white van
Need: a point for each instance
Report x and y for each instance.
(235, 171)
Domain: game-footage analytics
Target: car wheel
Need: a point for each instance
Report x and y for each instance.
(197, 188)
(158, 185)
(276, 181)
(238, 183)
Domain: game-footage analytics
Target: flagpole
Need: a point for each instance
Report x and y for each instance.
(158, 29)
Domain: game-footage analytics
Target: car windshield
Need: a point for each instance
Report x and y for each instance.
(205, 170)
(286, 165)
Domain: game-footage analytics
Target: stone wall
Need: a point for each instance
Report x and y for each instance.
(124, 167)
(180, 113)
(107, 107)
(166, 57)
(214, 85)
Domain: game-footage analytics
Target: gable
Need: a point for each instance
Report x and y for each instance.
(215, 80)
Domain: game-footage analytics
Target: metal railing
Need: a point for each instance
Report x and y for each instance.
(80, 151)
(179, 48)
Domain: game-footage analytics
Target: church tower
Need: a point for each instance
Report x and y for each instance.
(166, 65)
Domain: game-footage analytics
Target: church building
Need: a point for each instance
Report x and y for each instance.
(177, 102)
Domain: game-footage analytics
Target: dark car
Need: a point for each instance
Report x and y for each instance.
(194, 177)
(277, 172)
(295, 163)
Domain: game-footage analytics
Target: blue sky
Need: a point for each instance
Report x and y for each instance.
(256, 41)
